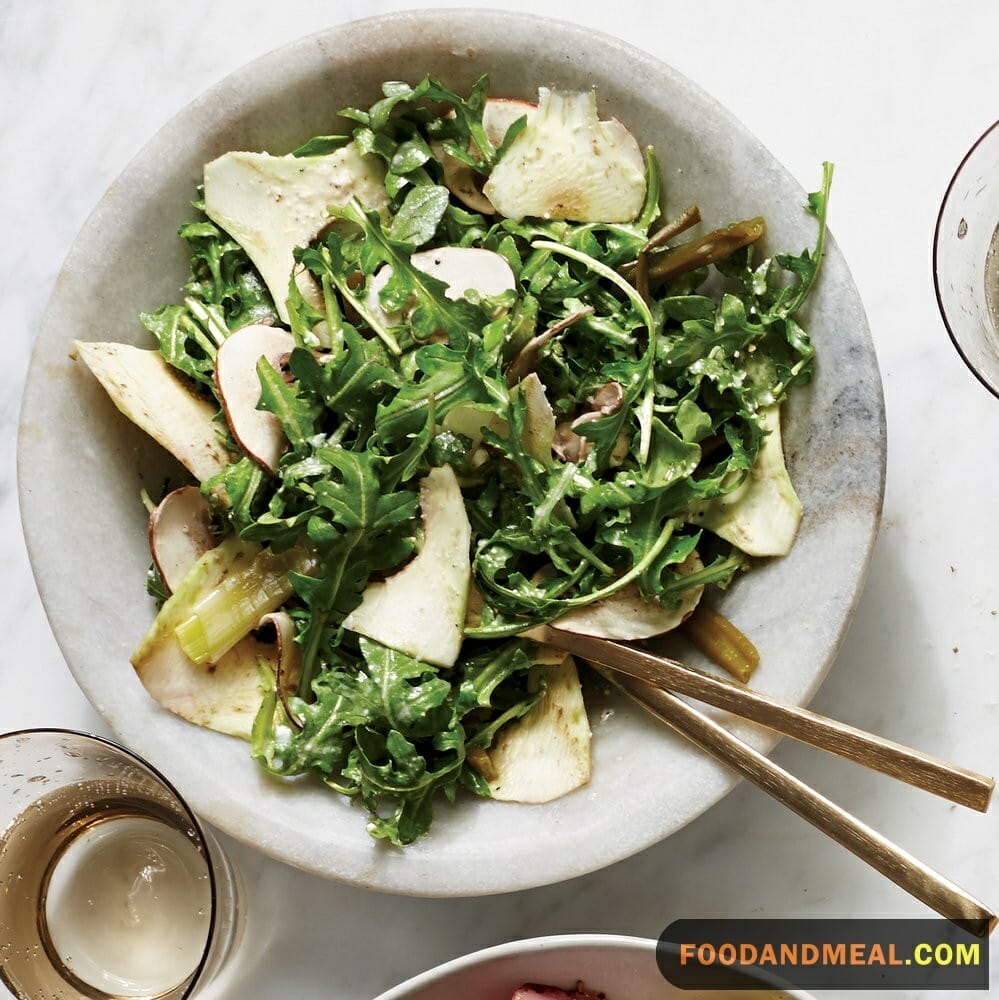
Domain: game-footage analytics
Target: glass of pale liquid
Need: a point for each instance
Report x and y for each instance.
(966, 259)
(109, 885)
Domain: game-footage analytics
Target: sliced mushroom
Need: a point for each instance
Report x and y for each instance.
(607, 399)
(288, 656)
(224, 697)
(567, 164)
(258, 432)
(180, 533)
(500, 113)
(465, 183)
(627, 615)
(571, 446)
(526, 359)
(568, 445)
(157, 398)
(462, 269)
(470, 420)
(466, 269)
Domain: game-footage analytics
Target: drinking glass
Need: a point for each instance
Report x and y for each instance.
(966, 259)
(110, 887)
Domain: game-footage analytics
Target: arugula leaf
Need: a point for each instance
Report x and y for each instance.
(419, 215)
(297, 414)
(449, 377)
(240, 486)
(225, 292)
(222, 275)
(433, 313)
(184, 342)
(393, 731)
(360, 529)
(321, 145)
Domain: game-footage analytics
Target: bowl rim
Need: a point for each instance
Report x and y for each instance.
(536, 945)
(937, 238)
(509, 949)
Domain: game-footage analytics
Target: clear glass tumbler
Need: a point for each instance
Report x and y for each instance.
(109, 885)
(966, 259)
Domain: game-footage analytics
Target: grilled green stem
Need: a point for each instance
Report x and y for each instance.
(715, 636)
(700, 252)
(685, 220)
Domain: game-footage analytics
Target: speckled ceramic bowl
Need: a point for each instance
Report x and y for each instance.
(82, 464)
(622, 967)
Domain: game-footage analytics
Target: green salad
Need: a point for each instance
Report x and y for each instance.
(456, 373)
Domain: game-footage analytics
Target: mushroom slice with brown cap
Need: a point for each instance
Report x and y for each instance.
(224, 697)
(288, 658)
(568, 445)
(258, 432)
(466, 269)
(462, 269)
(500, 113)
(571, 446)
(463, 182)
(180, 533)
(567, 164)
(157, 398)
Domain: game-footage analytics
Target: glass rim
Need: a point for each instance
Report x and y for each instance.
(937, 232)
(196, 823)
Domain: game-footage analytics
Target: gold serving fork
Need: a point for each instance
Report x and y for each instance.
(655, 681)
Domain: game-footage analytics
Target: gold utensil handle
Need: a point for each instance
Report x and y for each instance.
(966, 788)
(906, 871)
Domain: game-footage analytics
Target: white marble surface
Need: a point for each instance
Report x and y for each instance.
(894, 100)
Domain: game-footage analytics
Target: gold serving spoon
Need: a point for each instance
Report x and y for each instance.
(650, 680)
(966, 788)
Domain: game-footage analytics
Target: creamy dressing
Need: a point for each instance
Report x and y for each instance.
(128, 906)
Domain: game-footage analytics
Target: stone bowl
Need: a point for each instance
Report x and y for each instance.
(82, 465)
